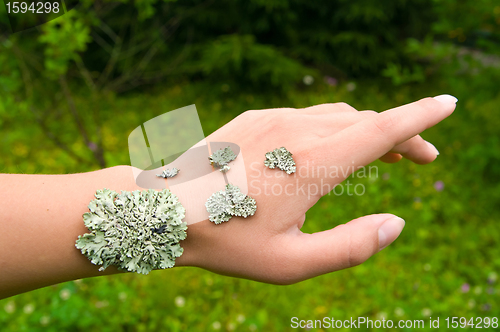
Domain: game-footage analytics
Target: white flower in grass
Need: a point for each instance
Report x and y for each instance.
(45, 320)
(351, 86)
(180, 301)
(426, 312)
(29, 308)
(122, 296)
(10, 307)
(308, 80)
(399, 312)
(101, 304)
(65, 294)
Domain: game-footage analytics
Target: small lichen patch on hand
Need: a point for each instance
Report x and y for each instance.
(168, 173)
(221, 158)
(137, 231)
(225, 204)
(281, 158)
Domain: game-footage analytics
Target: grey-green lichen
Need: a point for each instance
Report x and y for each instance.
(225, 204)
(168, 173)
(281, 158)
(137, 231)
(221, 158)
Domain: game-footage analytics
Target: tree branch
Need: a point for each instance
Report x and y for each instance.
(96, 149)
(56, 140)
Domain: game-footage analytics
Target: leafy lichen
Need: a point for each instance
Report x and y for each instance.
(137, 231)
(225, 204)
(281, 158)
(168, 173)
(221, 158)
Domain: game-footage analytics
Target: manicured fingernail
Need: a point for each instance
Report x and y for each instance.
(446, 99)
(389, 231)
(433, 147)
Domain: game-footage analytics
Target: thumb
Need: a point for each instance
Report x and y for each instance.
(345, 245)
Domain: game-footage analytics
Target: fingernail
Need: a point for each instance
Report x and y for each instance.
(446, 99)
(433, 148)
(389, 231)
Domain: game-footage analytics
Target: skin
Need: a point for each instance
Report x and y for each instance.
(41, 215)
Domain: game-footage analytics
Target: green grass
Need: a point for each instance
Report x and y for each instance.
(450, 239)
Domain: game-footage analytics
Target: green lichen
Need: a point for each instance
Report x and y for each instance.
(225, 204)
(221, 158)
(281, 158)
(168, 173)
(137, 231)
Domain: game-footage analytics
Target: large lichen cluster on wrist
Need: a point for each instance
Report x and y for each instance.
(281, 158)
(225, 204)
(221, 159)
(137, 231)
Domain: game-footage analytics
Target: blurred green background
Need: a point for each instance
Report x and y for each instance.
(73, 89)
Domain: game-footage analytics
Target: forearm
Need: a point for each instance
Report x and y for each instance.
(40, 220)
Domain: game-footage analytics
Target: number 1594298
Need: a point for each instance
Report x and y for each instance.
(33, 7)
(475, 322)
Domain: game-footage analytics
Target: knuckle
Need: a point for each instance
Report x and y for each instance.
(272, 125)
(359, 250)
(332, 107)
(250, 117)
(345, 107)
(319, 107)
(286, 109)
(277, 123)
(249, 114)
(242, 116)
(384, 124)
(369, 113)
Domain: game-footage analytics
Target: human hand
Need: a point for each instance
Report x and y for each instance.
(269, 246)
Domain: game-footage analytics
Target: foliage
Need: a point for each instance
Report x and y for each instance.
(105, 48)
(446, 262)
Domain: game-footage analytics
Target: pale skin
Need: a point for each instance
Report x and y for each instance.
(41, 215)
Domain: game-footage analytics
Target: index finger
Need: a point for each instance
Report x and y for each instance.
(370, 139)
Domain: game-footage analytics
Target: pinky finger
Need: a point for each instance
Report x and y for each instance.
(391, 157)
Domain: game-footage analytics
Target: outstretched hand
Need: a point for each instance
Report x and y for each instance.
(270, 246)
